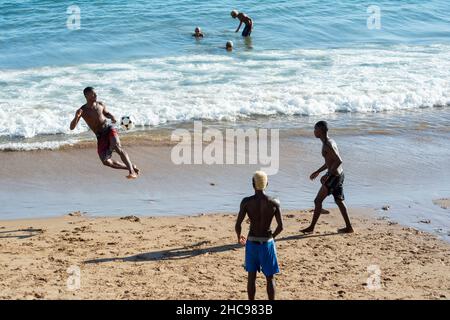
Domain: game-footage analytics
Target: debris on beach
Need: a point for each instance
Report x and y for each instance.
(76, 214)
(427, 221)
(131, 218)
(386, 208)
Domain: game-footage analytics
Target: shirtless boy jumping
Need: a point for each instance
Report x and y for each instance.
(95, 114)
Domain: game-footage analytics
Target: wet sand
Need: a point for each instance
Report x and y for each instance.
(39, 184)
(197, 257)
(443, 203)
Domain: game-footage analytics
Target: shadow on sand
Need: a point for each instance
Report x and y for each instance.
(20, 234)
(194, 250)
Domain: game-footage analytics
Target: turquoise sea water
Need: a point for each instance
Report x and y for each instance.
(303, 58)
(34, 33)
(386, 93)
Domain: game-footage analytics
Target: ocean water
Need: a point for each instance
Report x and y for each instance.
(304, 58)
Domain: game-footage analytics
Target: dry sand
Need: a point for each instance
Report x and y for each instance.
(197, 258)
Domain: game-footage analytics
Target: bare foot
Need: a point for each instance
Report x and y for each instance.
(346, 230)
(307, 230)
(132, 176)
(136, 169)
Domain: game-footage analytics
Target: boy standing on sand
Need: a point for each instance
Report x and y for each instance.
(95, 114)
(332, 181)
(260, 252)
(243, 18)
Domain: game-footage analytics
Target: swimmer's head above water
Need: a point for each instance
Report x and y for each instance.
(229, 45)
(198, 32)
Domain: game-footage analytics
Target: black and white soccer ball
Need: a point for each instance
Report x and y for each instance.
(127, 122)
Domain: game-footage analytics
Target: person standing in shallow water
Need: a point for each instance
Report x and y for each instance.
(260, 251)
(332, 181)
(243, 19)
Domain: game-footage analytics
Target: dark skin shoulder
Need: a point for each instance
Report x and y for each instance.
(332, 158)
(244, 18)
(95, 116)
(261, 210)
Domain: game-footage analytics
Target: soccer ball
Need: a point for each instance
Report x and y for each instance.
(127, 122)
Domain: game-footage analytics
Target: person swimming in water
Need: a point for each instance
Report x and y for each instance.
(229, 46)
(198, 33)
(243, 19)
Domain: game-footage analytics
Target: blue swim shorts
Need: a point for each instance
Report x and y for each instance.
(261, 256)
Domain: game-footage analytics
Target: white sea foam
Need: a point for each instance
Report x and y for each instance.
(28, 146)
(43, 101)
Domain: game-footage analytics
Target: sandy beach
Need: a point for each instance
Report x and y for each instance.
(197, 257)
(337, 88)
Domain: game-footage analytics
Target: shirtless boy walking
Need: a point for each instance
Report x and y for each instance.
(332, 181)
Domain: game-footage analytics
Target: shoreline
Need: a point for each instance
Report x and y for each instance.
(197, 257)
(46, 183)
(387, 123)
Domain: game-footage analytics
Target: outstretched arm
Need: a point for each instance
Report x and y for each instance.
(240, 24)
(279, 222)
(75, 120)
(240, 218)
(107, 114)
